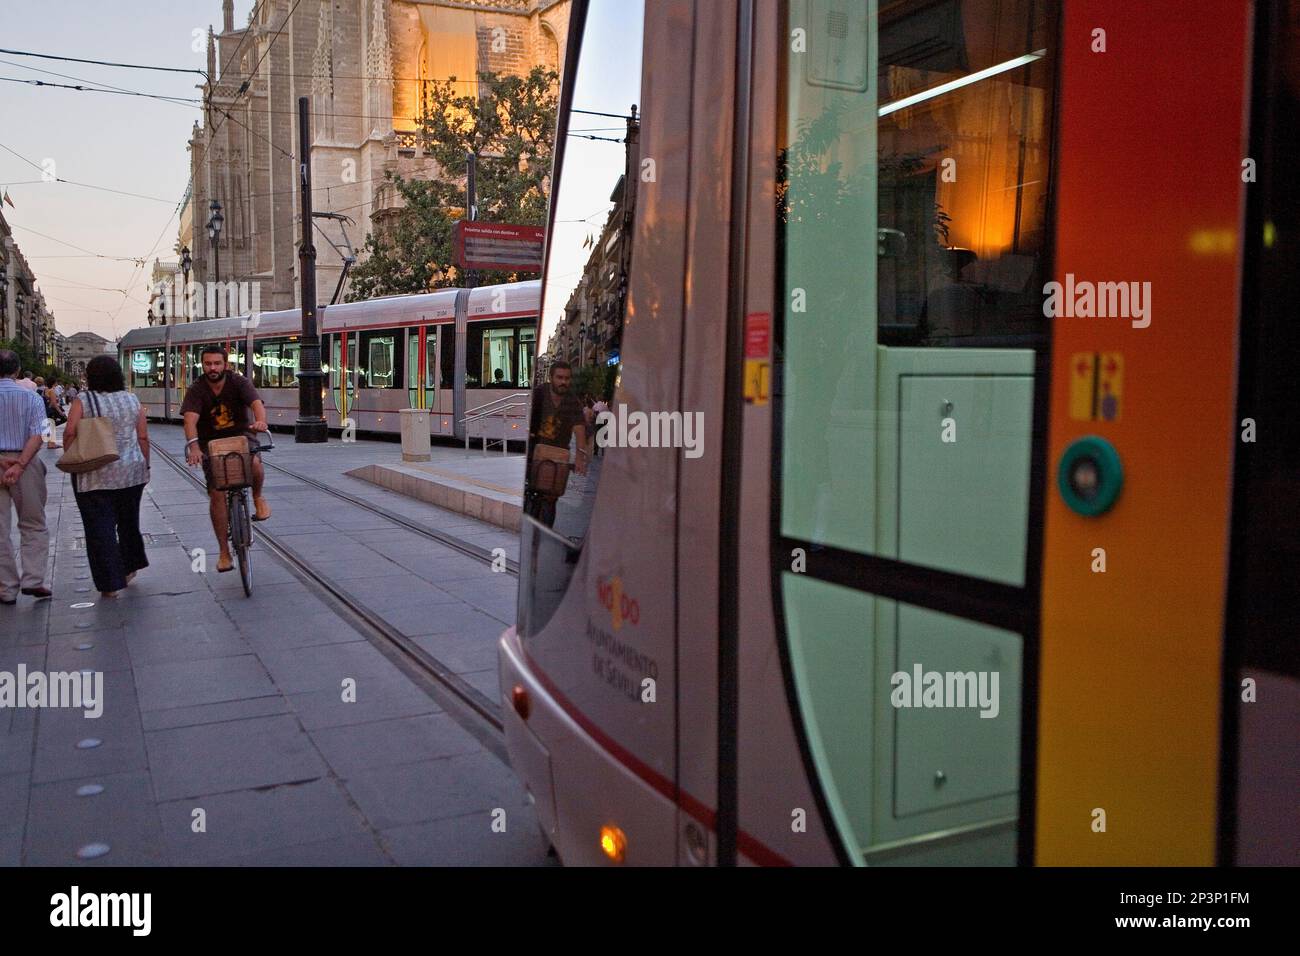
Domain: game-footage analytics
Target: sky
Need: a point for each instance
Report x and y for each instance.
(128, 143)
(86, 245)
(608, 81)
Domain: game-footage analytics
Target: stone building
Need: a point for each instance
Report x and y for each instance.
(364, 64)
(590, 333)
(82, 347)
(24, 316)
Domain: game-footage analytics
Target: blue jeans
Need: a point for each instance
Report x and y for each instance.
(114, 547)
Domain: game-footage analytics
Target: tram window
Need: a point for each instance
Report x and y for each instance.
(527, 351)
(147, 368)
(914, 212)
(448, 340)
(963, 174)
(493, 355)
(592, 177)
(430, 356)
(498, 364)
(381, 364)
(289, 352)
(266, 365)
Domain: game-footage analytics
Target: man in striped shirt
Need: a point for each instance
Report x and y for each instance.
(22, 485)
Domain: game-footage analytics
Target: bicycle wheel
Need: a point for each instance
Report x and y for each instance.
(241, 536)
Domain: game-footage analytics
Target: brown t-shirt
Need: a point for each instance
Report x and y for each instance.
(224, 415)
(553, 422)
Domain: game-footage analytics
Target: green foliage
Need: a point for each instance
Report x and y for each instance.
(594, 380)
(33, 363)
(510, 126)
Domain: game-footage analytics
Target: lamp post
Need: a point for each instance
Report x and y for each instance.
(311, 426)
(187, 261)
(215, 222)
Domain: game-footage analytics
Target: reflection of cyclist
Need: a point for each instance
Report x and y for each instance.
(557, 417)
(217, 406)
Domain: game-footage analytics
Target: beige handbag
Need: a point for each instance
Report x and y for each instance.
(95, 445)
(550, 470)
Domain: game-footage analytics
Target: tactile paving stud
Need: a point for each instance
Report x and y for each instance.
(83, 577)
(90, 743)
(81, 605)
(84, 646)
(92, 851)
(84, 625)
(90, 789)
(82, 590)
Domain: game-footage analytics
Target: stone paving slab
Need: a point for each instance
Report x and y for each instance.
(234, 705)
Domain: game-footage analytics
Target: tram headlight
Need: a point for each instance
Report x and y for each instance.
(519, 699)
(614, 843)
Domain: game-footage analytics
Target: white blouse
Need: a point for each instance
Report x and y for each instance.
(130, 469)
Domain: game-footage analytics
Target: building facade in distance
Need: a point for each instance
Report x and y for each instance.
(365, 64)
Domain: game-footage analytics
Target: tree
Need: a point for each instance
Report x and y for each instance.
(510, 125)
(33, 363)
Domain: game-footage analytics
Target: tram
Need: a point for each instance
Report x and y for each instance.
(463, 354)
(958, 578)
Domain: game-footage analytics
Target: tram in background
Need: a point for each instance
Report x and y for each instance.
(455, 352)
(849, 215)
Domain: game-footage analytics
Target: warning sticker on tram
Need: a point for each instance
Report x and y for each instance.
(1096, 386)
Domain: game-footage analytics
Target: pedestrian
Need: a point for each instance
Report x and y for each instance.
(55, 415)
(109, 496)
(22, 486)
(58, 394)
(25, 380)
(598, 408)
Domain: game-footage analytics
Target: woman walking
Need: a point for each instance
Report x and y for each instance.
(55, 414)
(109, 497)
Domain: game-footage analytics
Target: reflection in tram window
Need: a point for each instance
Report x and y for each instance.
(381, 366)
(430, 357)
(964, 172)
(582, 315)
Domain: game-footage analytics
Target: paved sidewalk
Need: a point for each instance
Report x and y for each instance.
(225, 737)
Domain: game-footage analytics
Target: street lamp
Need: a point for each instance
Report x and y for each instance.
(582, 346)
(186, 262)
(215, 222)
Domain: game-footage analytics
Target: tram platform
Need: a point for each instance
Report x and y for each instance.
(225, 736)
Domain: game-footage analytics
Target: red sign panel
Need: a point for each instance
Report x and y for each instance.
(497, 245)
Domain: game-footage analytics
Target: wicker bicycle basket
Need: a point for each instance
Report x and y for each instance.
(230, 462)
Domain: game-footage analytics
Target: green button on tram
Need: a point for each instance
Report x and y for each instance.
(1090, 475)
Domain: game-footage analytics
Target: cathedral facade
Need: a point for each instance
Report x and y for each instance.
(364, 65)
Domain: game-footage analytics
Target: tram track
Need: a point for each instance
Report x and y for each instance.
(450, 540)
(368, 621)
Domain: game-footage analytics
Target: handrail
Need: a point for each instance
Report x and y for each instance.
(495, 401)
(495, 411)
(479, 415)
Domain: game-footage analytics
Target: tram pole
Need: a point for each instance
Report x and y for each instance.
(310, 426)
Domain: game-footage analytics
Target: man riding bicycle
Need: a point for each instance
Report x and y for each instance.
(217, 406)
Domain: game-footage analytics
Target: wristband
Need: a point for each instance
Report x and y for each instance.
(192, 441)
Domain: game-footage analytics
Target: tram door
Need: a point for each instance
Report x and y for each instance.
(343, 364)
(889, 384)
(422, 359)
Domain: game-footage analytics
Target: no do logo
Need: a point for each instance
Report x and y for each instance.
(616, 601)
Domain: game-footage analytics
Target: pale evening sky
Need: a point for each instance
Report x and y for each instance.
(128, 143)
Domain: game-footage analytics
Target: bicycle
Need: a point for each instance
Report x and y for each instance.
(239, 521)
